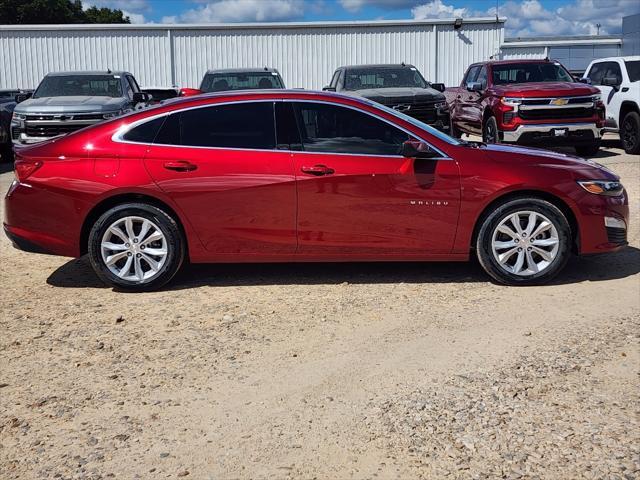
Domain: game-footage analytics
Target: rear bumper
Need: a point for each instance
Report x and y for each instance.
(23, 243)
(554, 134)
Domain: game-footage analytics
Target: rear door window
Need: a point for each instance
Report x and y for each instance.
(241, 125)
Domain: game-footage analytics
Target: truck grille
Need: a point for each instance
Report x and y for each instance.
(51, 130)
(559, 113)
(423, 111)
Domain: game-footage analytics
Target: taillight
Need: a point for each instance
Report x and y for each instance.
(25, 168)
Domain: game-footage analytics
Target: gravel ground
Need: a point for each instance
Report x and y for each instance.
(323, 370)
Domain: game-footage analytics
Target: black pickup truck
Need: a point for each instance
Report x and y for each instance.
(401, 87)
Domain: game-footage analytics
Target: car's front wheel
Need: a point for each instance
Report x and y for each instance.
(525, 241)
(490, 131)
(630, 133)
(136, 246)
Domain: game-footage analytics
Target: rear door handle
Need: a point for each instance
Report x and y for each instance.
(180, 166)
(318, 170)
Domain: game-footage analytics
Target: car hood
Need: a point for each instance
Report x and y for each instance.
(537, 157)
(71, 105)
(406, 94)
(545, 89)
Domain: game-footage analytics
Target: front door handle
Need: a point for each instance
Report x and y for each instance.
(318, 170)
(180, 166)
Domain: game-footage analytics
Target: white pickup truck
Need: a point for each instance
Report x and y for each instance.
(618, 78)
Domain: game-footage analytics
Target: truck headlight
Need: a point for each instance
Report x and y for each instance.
(18, 117)
(511, 101)
(602, 187)
(441, 105)
(112, 114)
(596, 98)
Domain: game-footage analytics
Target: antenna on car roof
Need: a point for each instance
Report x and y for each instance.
(108, 70)
(403, 64)
(266, 69)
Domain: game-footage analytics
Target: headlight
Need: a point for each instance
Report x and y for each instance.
(441, 105)
(511, 101)
(596, 98)
(602, 187)
(18, 117)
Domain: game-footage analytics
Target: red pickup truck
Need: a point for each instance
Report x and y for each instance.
(529, 102)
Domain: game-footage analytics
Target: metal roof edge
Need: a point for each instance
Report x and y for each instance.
(236, 26)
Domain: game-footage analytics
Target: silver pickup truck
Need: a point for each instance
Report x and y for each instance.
(68, 101)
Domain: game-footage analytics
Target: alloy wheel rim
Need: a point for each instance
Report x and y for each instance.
(629, 134)
(134, 249)
(525, 243)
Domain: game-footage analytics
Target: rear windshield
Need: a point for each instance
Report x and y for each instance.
(220, 82)
(79, 85)
(633, 69)
(530, 72)
(364, 78)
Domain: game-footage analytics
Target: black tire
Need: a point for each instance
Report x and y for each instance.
(630, 133)
(454, 131)
(490, 133)
(6, 153)
(588, 150)
(174, 243)
(490, 223)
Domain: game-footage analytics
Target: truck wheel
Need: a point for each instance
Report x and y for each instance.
(525, 241)
(490, 131)
(588, 150)
(454, 131)
(630, 133)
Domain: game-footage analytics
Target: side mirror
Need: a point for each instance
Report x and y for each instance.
(474, 86)
(329, 89)
(141, 97)
(585, 80)
(438, 86)
(610, 81)
(188, 92)
(21, 97)
(417, 149)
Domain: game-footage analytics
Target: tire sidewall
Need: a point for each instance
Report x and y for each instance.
(168, 226)
(490, 222)
(484, 129)
(634, 118)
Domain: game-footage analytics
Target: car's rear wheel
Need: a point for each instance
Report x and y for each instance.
(136, 246)
(630, 133)
(588, 150)
(490, 131)
(525, 241)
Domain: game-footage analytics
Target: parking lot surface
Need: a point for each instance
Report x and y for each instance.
(323, 370)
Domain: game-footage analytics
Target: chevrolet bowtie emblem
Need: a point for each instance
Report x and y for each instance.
(559, 102)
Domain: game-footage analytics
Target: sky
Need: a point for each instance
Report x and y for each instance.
(525, 17)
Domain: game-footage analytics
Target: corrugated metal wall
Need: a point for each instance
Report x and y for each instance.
(522, 53)
(305, 54)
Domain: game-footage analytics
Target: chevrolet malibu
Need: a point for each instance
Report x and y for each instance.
(294, 176)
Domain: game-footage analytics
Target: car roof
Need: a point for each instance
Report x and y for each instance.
(243, 70)
(630, 58)
(379, 65)
(87, 72)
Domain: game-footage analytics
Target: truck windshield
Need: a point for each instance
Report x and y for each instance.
(633, 69)
(79, 85)
(220, 82)
(530, 72)
(364, 78)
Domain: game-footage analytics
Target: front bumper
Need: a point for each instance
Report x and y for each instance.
(604, 222)
(554, 134)
(24, 139)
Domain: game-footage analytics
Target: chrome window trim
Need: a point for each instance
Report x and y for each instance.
(117, 136)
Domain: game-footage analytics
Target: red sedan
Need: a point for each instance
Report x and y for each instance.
(294, 176)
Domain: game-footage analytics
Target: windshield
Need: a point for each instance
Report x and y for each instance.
(79, 85)
(530, 72)
(633, 69)
(220, 82)
(364, 78)
(436, 133)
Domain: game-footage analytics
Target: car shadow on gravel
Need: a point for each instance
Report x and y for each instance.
(604, 151)
(79, 274)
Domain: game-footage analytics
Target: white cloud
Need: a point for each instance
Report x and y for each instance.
(241, 11)
(531, 18)
(135, 17)
(437, 9)
(130, 8)
(354, 6)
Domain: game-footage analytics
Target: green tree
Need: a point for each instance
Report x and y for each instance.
(18, 12)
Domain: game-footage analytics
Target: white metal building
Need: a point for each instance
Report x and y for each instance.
(306, 54)
(575, 53)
